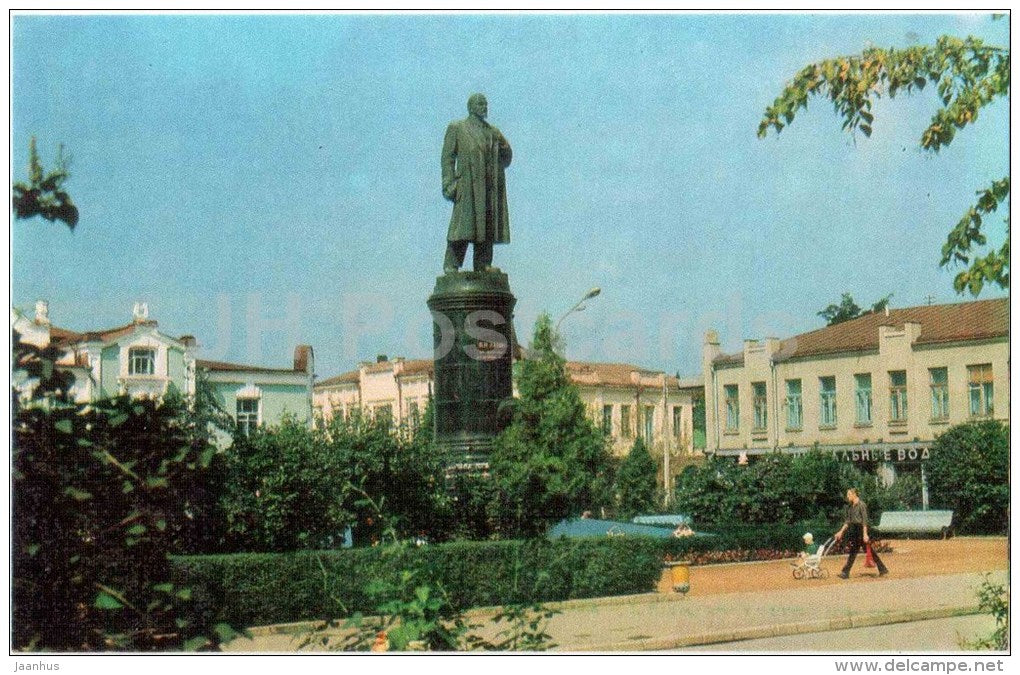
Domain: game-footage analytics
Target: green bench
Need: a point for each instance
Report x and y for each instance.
(916, 522)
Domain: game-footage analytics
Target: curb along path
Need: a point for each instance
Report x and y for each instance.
(731, 617)
(658, 622)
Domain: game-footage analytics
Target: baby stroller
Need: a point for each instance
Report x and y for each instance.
(811, 566)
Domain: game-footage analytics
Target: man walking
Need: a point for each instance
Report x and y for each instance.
(857, 526)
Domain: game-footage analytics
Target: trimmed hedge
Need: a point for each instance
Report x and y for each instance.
(250, 589)
(262, 588)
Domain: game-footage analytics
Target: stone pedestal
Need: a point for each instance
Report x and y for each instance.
(472, 315)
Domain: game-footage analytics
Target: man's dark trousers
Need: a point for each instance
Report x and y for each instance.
(456, 250)
(855, 539)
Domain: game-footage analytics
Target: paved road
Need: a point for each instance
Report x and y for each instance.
(938, 635)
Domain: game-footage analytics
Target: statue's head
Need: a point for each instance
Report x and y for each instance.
(478, 105)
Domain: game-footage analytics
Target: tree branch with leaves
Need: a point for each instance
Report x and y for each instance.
(43, 195)
(968, 75)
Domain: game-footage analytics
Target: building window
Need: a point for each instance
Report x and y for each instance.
(827, 402)
(898, 396)
(939, 393)
(413, 415)
(981, 389)
(625, 421)
(699, 425)
(649, 423)
(247, 415)
(384, 414)
(731, 392)
(794, 405)
(607, 419)
(761, 409)
(678, 421)
(862, 397)
(141, 361)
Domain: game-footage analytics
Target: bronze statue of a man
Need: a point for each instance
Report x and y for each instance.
(475, 155)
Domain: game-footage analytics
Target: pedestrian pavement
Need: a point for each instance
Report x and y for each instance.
(727, 617)
(656, 621)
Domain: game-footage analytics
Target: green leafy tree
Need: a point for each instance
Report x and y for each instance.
(43, 194)
(848, 309)
(778, 488)
(293, 487)
(283, 491)
(401, 473)
(98, 500)
(969, 473)
(551, 461)
(31, 363)
(723, 492)
(472, 508)
(967, 74)
(636, 488)
(204, 528)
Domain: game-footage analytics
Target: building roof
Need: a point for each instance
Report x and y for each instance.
(418, 367)
(959, 322)
(223, 366)
(613, 374)
(410, 367)
(580, 372)
(351, 377)
(63, 336)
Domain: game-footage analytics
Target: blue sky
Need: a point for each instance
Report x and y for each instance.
(261, 181)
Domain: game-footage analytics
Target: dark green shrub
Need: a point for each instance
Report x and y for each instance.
(778, 488)
(100, 495)
(283, 491)
(636, 489)
(254, 589)
(291, 487)
(969, 473)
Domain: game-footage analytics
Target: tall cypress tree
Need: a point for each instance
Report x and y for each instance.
(552, 461)
(636, 489)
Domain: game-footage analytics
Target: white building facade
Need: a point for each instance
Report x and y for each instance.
(875, 390)
(139, 360)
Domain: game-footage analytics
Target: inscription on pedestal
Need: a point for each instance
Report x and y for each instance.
(472, 321)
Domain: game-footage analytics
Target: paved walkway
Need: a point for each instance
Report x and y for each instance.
(934, 635)
(662, 621)
(639, 626)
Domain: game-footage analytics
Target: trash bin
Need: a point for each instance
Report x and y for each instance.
(679, 575)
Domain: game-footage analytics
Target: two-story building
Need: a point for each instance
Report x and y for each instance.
(139, 360)
(626, 401)
(875, 390)
(135, 359)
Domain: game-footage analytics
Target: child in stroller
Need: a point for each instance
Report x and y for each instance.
(809, 562)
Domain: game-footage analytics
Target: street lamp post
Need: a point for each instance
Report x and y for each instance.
(579, 307)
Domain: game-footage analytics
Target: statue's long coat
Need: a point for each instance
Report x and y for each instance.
(475, 155)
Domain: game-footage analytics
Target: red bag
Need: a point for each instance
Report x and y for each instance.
(869, 560)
